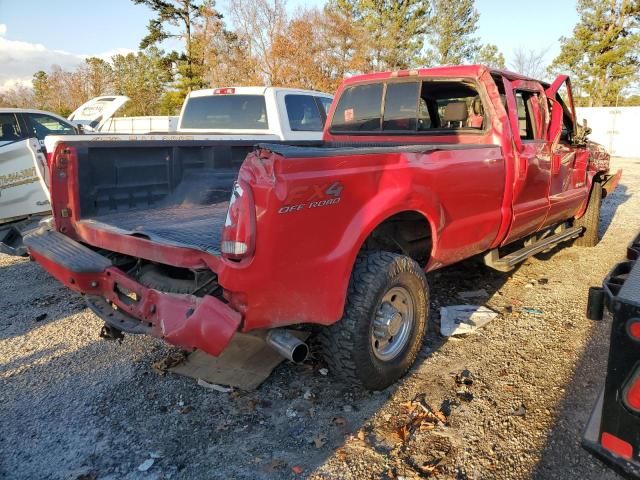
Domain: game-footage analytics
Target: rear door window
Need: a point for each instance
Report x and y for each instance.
(9, 128)
(303, 113)
(401, 106)
(359, 109)
(530, 121)
(226, 112)
(43, 125)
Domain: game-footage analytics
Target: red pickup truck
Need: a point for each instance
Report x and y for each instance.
(417, 170)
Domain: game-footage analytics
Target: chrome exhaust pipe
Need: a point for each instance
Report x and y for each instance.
(287, 345)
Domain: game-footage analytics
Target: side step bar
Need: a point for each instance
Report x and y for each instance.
(506, 263)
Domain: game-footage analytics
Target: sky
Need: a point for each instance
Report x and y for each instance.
(35, 34)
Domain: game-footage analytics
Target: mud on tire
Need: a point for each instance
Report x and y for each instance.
(347, 345)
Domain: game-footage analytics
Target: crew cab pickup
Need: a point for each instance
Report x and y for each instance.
(417, 170)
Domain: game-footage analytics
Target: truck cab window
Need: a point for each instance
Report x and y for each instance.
(401, 106)
(9, 128)
(326, 103)
(528, 127)
(359, 109)
(567, 123)
(450, 106)
(43, 125)
(303, 113)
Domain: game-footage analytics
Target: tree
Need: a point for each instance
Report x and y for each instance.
(490, 56)
(144, 78)
(98, 76)
(225, 59)
(529, 62)
(182, 13)
(345, 41)
(603, 53)
(395, 31)
(319, 49)
(41, 91)
(451, 32)
(258, 23)
(18, 96)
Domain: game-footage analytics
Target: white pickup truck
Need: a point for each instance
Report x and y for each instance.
(232, 119)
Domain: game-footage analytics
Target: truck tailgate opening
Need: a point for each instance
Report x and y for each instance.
(175, 196)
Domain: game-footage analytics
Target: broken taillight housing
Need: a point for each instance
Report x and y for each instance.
(239, 232)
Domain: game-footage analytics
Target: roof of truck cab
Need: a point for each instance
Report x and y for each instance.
(255, 91)
(30, 110)
(472, 71)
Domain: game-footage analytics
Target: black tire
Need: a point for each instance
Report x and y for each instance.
(347, 345)
(591, 219)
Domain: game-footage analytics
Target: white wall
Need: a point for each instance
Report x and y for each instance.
(616, 128)
(140, 124)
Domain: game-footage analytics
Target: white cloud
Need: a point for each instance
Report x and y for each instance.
(20, 60)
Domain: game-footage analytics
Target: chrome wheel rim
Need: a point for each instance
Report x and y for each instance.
(392, 325)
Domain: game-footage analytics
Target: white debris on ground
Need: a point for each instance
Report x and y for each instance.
(462, 320)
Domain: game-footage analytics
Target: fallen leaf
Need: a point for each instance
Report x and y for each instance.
(297, 469)
(319, 440)
(275, 464)
(360, 435)
(340, 421)
(186, 410)
(171, 360)
(341, 454)
(403, 433)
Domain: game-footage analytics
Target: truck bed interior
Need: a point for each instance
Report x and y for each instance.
(170, 195)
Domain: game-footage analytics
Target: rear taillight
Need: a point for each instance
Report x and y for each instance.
(224, 91)
(239, 232)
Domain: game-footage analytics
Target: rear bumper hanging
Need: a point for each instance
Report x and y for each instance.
(206, 323)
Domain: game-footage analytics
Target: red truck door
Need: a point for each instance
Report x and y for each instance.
(526, 108)
(568, 188)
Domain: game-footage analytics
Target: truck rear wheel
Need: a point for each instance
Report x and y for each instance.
(384, 322)
(591, 218)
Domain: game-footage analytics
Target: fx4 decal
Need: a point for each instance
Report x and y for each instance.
(312, 196)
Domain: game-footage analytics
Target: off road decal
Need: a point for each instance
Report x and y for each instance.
(312, 196)
(21, 177)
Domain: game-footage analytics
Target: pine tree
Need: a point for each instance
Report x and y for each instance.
(182, 14)
(451, 32)
(602, 54)
(395, 29)
(490, 56)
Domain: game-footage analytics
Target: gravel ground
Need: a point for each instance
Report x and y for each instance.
(77, 407)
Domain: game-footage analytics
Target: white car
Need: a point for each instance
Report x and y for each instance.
(23, 196)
